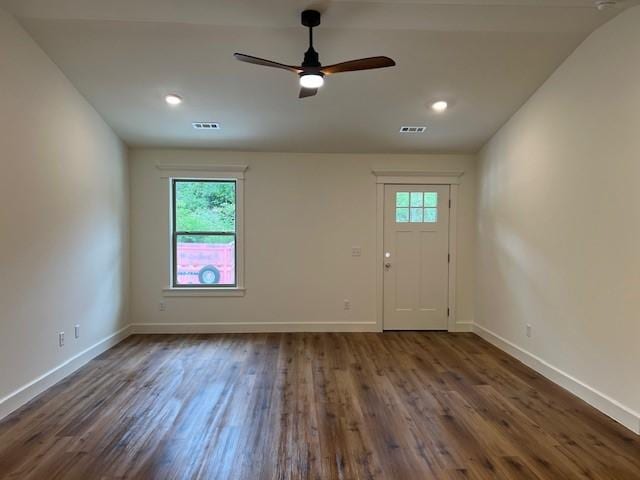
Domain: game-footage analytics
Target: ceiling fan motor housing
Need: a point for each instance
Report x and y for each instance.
(311, 59)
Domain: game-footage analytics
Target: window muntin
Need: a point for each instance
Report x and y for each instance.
(204, 233)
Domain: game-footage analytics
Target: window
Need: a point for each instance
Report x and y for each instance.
(204, 233)
(416, 207)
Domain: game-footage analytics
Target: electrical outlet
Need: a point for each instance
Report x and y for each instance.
(61, 339)
(347, 305)
(356, 251)
(529, 330)
(162, 306)
(77, 331)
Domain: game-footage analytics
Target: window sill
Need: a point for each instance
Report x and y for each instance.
(203, 292)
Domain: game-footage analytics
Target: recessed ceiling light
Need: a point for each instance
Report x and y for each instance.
(605, 4)
(440, 106)
(173, 99)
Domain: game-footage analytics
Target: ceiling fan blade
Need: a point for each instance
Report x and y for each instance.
(307, 92)
(265, 63)
(360, 64)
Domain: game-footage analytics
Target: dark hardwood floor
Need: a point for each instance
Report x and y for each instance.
(399, 406)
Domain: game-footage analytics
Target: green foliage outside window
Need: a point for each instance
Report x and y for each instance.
(205, 206)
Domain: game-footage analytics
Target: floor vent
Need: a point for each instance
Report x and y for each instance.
(413, 129)
(206, 126)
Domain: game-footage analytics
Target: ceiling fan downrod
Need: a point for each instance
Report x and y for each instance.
(311, 19)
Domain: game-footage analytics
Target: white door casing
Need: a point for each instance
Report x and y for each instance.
(416, 257)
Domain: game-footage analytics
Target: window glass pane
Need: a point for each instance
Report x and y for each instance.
(402, 215)
(430, 199)
(206, 260)
(430, 215)
(416, 199)
(416, 215)
(402, 199)
(205, 206)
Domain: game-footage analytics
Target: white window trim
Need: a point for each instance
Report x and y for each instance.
(417, 177)
(208, 172)
(203, 292)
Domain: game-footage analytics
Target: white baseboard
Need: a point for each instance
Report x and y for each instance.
(24, 394)
(607, 405)
(464, 327)
(252, 327)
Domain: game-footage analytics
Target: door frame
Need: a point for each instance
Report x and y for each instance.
(416, 177)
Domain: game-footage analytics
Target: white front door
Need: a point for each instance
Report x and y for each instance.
(416, 257)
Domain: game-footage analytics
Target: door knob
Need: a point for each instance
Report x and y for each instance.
(387, 265)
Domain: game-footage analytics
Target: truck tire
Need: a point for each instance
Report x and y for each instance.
(209, 275)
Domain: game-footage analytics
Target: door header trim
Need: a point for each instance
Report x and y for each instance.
(418, 177)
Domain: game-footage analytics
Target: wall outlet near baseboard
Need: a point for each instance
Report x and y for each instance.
(347, 304)
(529, 328)
(162, 306)
(61, 339)
(76, 330)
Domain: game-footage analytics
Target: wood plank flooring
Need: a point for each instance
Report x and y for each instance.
(398, 406)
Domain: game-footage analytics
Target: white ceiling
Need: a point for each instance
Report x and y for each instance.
(484, 57)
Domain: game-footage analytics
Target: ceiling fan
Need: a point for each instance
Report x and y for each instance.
(311, 72)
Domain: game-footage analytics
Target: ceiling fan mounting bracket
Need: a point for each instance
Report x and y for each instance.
(310, 18)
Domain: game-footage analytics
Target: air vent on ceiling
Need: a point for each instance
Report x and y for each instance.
(421, 129)
(206, 126)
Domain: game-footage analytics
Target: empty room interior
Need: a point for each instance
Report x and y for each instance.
(334, 239)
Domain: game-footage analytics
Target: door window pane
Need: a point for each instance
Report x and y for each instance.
(416, 215)
(430, 199)
(416, 207)
(402, 199)
(430, 215)
(402, 215)
(205, 260)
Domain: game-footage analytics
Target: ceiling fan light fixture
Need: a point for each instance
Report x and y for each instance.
(311, 80)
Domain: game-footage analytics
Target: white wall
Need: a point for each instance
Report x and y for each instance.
(63, 220)
(559, 223)
(303, 214)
